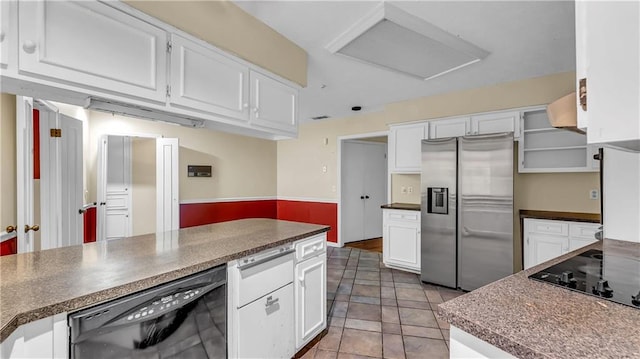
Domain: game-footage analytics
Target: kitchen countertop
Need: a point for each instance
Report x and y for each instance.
(532, 319)
(40, 284)
(405, 206)
(562, 216)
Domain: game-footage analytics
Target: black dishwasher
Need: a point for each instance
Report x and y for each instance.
(185, 318)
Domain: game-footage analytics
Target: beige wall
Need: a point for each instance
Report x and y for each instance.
(225, 25)
(405, 180)
(7, 161)
(143, 185)
(242, 166)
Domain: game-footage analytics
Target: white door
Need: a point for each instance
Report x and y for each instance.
(92, 44)
(375, 188)
(273, 104)
(311, 299)
(24, 176)
(206, 80)
(545, 247)
(364, 185)
(403, 244)
(114, 187)
(168, 208)
(61, 184)
(265, 326)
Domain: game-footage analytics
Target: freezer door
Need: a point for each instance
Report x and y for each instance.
(438, 247)
(485, 221)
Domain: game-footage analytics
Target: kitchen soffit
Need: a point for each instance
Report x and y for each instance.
(394, 39)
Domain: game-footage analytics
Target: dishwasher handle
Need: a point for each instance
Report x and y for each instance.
(246, 264)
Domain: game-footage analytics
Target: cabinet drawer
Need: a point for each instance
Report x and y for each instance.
(257, 280)
(403, 215)
(583, 230)
(311, 247)
(549, 227)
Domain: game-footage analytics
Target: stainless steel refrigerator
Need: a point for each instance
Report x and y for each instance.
(467, 210)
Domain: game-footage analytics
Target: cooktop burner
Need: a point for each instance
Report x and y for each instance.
(587, 273)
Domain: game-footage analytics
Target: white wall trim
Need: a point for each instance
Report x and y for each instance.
(260, 198)
(308, 199)
(4, 236)
(227, 199)
(334, 244)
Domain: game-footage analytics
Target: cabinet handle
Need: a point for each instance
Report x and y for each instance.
(29, 46)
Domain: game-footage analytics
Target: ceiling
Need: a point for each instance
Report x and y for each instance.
(524, 38)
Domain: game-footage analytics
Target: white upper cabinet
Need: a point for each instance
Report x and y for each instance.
(7, 27)
(608, 54)
(94, 45)
(451, 127)
(273, 104)
(496, 123)
(203, 79)
(405, 147)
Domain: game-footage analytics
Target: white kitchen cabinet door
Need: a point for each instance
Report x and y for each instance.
(311, 299)
(496, 123)
(542, 248)
(203, 79)
(265, 326)
(44, 338)
(405, 147)
(401, 239)
(608, 51)
(452, 127)
(273, 104)
(7, 28)
(91, 44)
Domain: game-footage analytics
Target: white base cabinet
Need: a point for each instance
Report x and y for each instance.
(43, 338)
(548, 239)
(463, 345)
(401, 239)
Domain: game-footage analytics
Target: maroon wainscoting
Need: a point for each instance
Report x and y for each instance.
(36, 144)
(196, 214)
(10, 246)
(311, 212)
(89, 218)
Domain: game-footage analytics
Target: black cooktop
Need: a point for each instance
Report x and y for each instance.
(588, 273)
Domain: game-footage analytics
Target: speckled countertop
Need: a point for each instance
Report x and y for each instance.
(532, 319)
(562, 216)
(41, 284)
(405, 206)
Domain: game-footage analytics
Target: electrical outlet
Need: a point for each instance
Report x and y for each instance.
(593, 194)
(403, 190)
(410, 189)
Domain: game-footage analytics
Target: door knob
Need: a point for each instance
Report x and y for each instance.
(361, 197)
(366, 197)
(29, 46)
(11, 229)
(34, 228)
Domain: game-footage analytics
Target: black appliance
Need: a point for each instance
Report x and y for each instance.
(586, 273)
(185, 318)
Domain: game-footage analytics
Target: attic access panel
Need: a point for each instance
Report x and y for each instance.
(394, 39)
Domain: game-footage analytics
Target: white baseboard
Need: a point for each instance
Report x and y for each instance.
(334, 244)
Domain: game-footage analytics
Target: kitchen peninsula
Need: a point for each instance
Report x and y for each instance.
(526, 318)
(52, 282)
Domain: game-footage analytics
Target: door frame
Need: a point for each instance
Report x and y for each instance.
(101, 187)
(340, 141)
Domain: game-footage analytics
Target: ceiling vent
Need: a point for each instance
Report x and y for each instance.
(394, 39)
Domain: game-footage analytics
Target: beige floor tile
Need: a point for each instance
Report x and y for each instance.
(366, 290)
(363, 325)
(325, 354)
(413, 294)
(421, 348)
(391, 328)
(389, 302)
(413, 304)
(352, 356)
(309, 354)
(336, 322)
(364, 311)
(331, 341)
(390, 315)
(387, 292)
(368, 275)
(445, 334)
(433, 296)
(433, 333)
(364, 300)
(392, 346)
(418, 317)
(339, 309)
(361, 342)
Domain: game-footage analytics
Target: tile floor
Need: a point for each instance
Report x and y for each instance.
(378, 312)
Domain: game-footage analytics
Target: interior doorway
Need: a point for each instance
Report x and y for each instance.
(363, 186)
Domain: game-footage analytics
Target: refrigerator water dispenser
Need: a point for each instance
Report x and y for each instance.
(438, 200)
